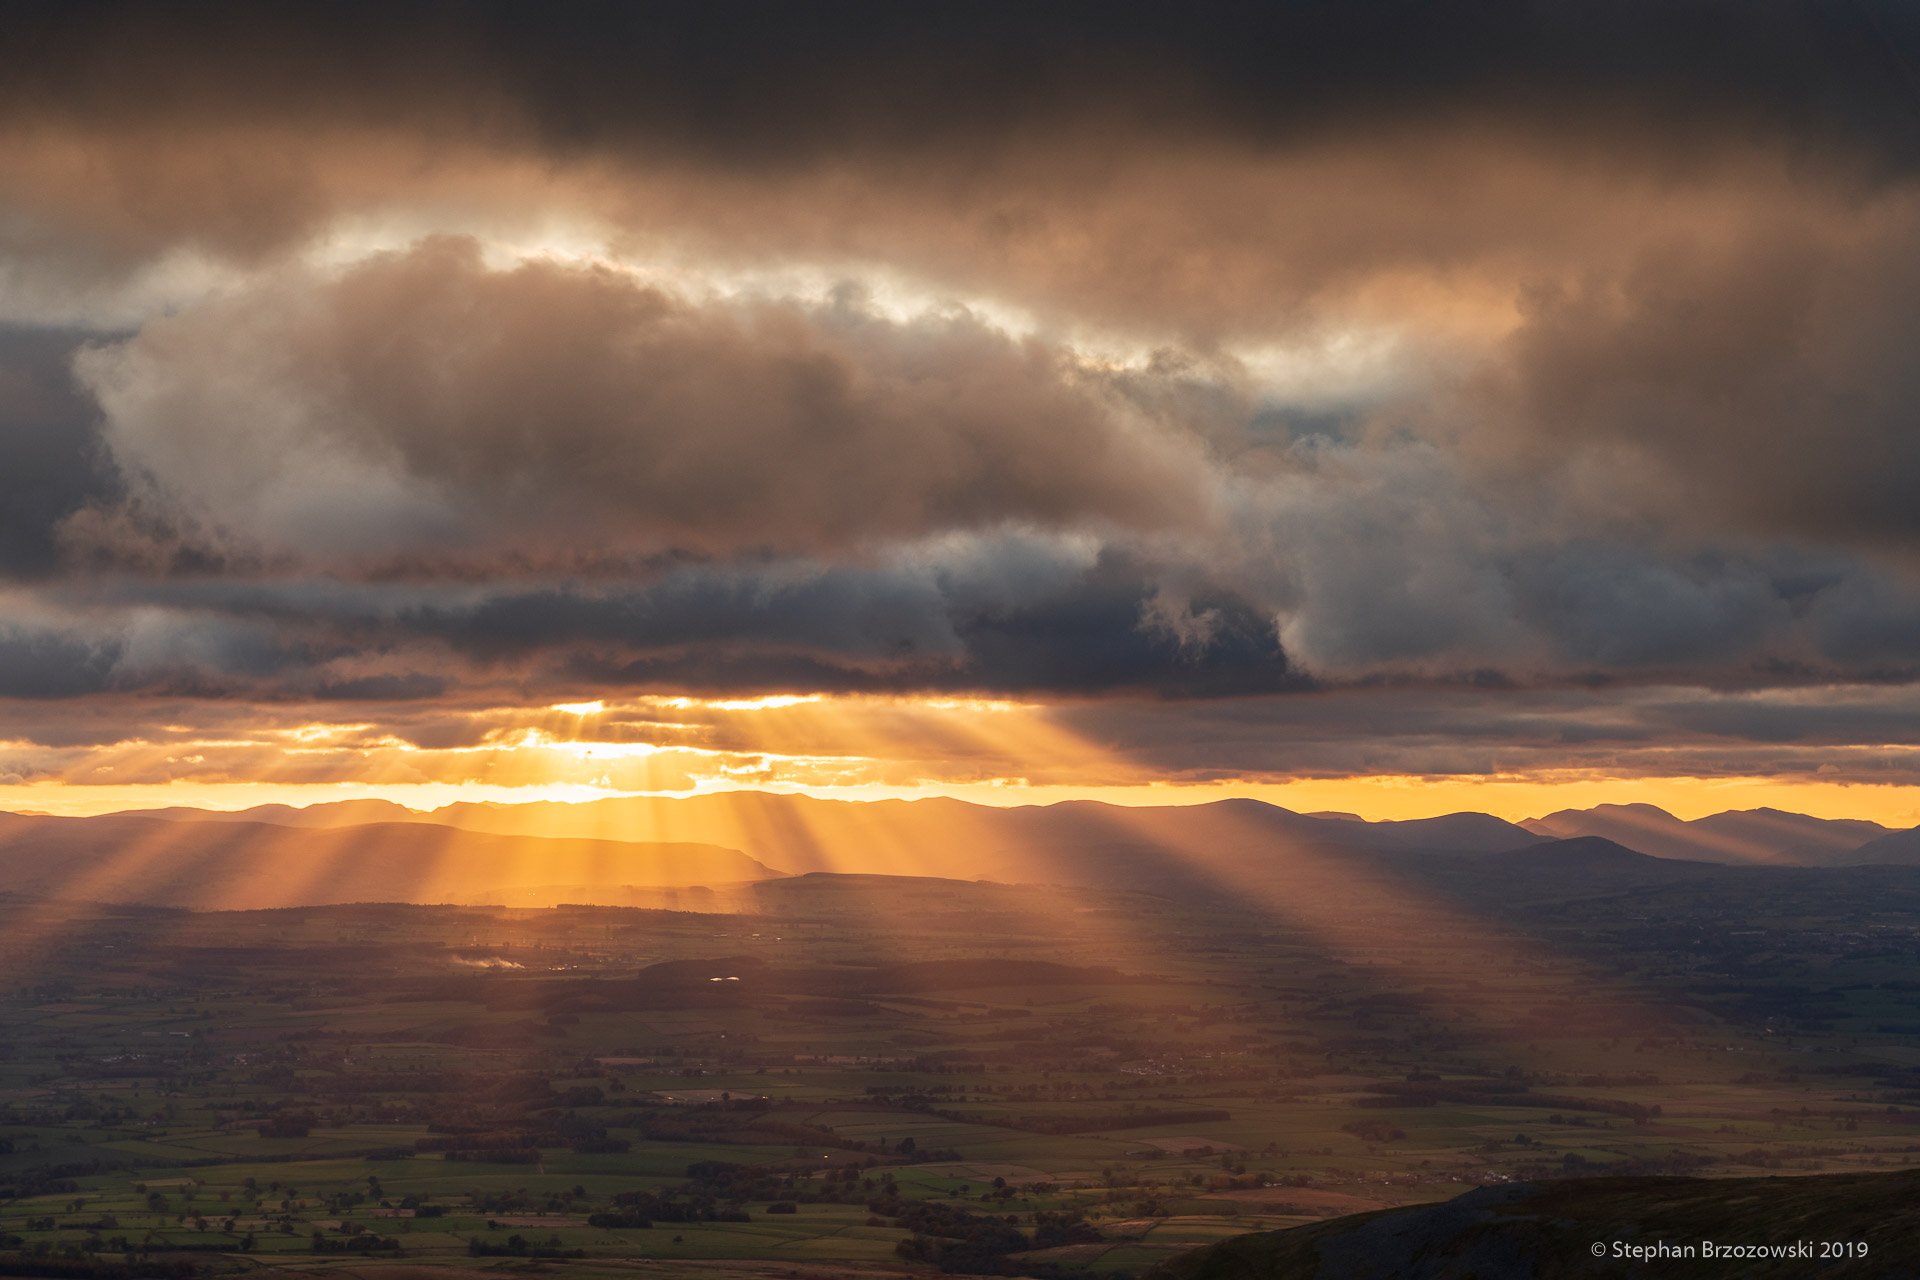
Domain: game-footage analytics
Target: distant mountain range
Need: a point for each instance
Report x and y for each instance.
(625, 850)
(1749, 835)
(800, 833)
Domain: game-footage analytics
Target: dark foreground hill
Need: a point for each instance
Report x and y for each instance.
(1545, 1231)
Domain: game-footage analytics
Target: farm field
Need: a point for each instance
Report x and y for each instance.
(913, 1078)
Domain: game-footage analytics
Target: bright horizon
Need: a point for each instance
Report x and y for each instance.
(1373, 799)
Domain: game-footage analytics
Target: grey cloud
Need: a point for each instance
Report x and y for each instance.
(1766, 377)
(1657, 731)
(1226, 171)
(36, 663)
(1055, 626)
(49, 447)
(156, 651)
(1393, 556)
(858, 617)
(723, 77)
(1000, 613)
(1866, 621)
(1613, 606)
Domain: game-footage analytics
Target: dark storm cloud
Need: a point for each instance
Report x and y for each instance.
(1772, 377)
(1093, 634)
(1612, 606)
(185, 652)
(1003, 615)
(857, 617)
(1106, 633)
(1209, 171)
(1404, 558)
(1654, 732)
(1865, 621)
(1017, 615)
(1048, 627)
(38, 664)
(50, 457)
(765, 82)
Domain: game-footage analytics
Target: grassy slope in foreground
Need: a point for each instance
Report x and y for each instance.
(1548, 1230)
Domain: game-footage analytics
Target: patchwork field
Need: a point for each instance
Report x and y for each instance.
(877, 1087)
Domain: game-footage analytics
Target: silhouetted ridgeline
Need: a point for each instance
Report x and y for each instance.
(1549, 1231)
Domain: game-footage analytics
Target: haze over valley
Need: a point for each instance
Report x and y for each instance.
(598, 851)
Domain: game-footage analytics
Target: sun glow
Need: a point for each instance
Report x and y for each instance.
(994, 751)
(772, 702)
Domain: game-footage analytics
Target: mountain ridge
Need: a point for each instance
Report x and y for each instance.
(803, 833)
(1763, 835)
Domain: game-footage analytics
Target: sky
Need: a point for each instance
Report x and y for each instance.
(1393, 408)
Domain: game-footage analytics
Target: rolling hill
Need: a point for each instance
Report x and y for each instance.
(1770, 836)
(1896, 848)
(1548, 1231)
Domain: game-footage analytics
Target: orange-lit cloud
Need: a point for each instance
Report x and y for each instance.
(997, 752)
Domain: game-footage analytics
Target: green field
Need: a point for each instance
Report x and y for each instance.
(341, 1090)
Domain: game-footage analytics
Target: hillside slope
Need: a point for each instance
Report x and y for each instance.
(1548, 1231)
(1757, 836)
(1898, 848)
